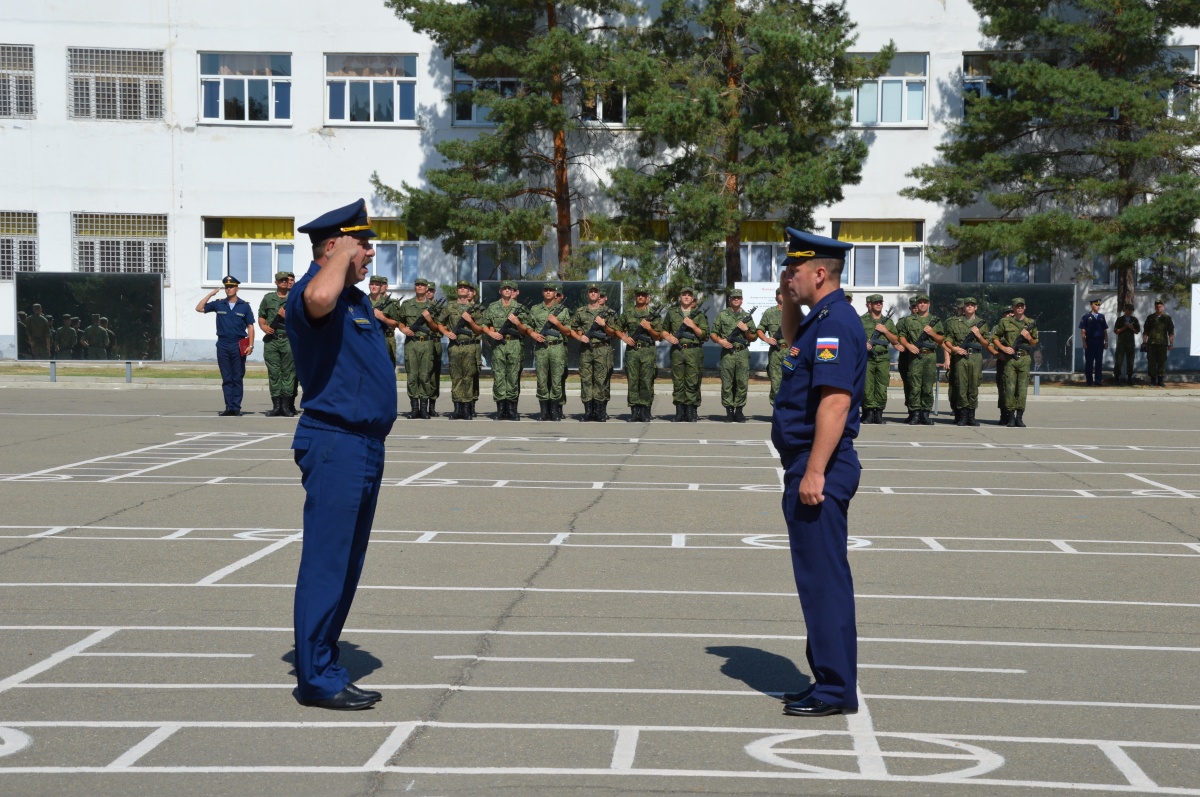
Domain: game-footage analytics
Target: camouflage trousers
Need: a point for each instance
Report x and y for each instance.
(641, 366)
(735, 376)
(879, 376)
(595, 372)
(281, 370)
(506, 360)
(922, 375)
(464, 371)
(775, 371)
(1156, 359)
(550, 362)
(419, 368)
(1016, 381)
(687, 366)
(903, 364)
(964, 386)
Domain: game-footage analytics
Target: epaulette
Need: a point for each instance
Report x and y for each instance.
(824, 312)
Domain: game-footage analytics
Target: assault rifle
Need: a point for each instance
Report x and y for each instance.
(926, 342)
(594, 331)
(433, 309)
(877, 337)
(684, 329)
(748, 318)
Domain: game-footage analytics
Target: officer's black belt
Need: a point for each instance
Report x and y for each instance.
(686, 345)
(552, 342)
(638, 344)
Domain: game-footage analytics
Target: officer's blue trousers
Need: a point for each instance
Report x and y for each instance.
(818, 536)
(1093, 362)
(341, 473)
(233, 370)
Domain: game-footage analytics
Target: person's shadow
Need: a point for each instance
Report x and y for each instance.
(358, 662)
(764, 672)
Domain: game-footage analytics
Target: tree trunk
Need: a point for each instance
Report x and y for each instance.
(562, 186)
(730, 16)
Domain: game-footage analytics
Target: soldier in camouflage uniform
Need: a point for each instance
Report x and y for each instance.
(460, 321)
(733, 330)
(593, 325)
(277, 350)
(1126, 329)
(965, 338)
(39, 327)
(919, 337)
(548, 327)
(1158, 336)
(639, 323)
(769, 324)
(881, 336)
(1015, 339)
(110, 338)
(422, 338)
(387, 311)
(504, 321)
(95, 339)
(686, 329)
(904, 361)
(65, 339)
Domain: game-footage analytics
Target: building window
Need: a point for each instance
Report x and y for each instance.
(493, 261)
(115, 84)
(995, 267)
(371, 89)
(120, 243)
(467, 111)
(607, 263)
(898, 97)
(18, 243)
(245, 87)
(16, 82)
(397, 255)
(250, 249)
(602, 104)
(886, 254)
(1181, 99)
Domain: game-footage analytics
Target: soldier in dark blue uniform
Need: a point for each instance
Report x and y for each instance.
(349, 406)
(816, 420)
(1093, 329)
(235, 320)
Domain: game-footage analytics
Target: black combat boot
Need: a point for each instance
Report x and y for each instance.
(589, 411)
(1020, 419)
(545, 414)
(868, 416)
(738, 415)
(1004, 416)
(911, 420)
(414, 411)
(460, 411)
(289, 406)
(431, 409)
(602, 411)
(971, 418)
(729, 415)
(960, 418)
(471, 410)
(423, 406)
(1012, 419)
(558, 410)
(879, 415)
(513, 415)
(691, 413)
(681, 413)
(276, 407)
(925, 419)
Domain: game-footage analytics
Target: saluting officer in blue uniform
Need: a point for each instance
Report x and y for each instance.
(815, 422)
(235, 320)
(349, 406)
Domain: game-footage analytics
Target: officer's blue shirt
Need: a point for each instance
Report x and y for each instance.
(1094, 327)
(231, 323)
(342, 362)
(829, 350)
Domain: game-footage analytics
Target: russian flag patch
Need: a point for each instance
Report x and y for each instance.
(827, 349)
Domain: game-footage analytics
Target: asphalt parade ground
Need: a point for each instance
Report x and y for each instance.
(598, 609)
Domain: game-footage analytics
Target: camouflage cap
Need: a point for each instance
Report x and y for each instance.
(734, 294)
(280, 276)
(465, 284)
(423, 281)
(641, 289)
(970, 300)
(508, 284)
(921, 297)
(874, 297)
(1157, 302)
(375, 280)
(66, 315)
(688, 289)
(1018, 301)
(912, 301)
(550, 285)
(593, 286)
(74, 319)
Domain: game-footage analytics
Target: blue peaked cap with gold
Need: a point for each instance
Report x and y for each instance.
(349, 220)
(805, 246)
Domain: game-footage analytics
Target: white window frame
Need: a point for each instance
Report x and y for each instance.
(397, 280)
(17, 97)
(122, 247)
(855, 262)
(282, 252)
(221, 81)
(777, 252)
(1183, 98)
(478, 117)
(598, 104)
(1010, 271)
(346, 83)
(531, 262)
(862, 98)
(116, 85)
(606, 264)
(18, 252)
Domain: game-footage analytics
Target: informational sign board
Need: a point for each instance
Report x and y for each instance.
(1051, 306)
(1195, 342)
(128, 307)
(761, 297)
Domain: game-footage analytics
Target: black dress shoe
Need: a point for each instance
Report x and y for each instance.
(796, 697)
(355, 690)
(230, 413)
(811, 707)
(344, 700)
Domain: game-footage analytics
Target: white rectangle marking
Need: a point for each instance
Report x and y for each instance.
(17, 679)
(394, 742)
(131, 756)
(1062, 546)
(1128, 767)
(559, 539)
(540, 660)
(426, 537)
(479, 445)
(624, 748)
(51, 532)
(933, 544)
(678, 540)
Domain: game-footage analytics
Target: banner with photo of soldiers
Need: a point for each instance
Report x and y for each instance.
(73, 316)
(1051, 306)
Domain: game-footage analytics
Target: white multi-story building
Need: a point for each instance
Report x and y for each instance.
(190, 139)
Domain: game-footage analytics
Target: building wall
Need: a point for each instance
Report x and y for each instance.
(55, 165)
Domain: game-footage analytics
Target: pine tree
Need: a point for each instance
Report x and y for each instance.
(1084, 144)
(738, 119)
(536, 65)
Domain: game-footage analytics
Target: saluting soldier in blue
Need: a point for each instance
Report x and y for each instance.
(816, 420)
(235, 320)
(349, 407)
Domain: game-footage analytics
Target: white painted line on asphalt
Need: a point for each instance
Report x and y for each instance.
(175, 535)
(866, 743)
(1079, 454)
(391, 745)
(1062, 546)
(624, 748)
(1136, 776)
(427, 537)
(194, 457)
(1179, 492)
(479, 445)
(678, 540)
(135, 753)
(213, 578)
(169, 655)
(81, 463)
(50, 532)
(923, 668)
(18, 679)
(529, 659)
(559, 539)
(420, 475)
(933, 544)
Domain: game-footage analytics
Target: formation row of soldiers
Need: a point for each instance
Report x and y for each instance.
(39, 339)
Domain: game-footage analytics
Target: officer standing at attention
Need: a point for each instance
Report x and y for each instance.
(1159, 338)
(641, 359)
(549, 331)
(422, 341)
(277, 351)
(387, 311)
(815, 422)
(1127, 329)
(881, 336)
(463, 330)
(39, 328)
(904, 361)
(686, 328)
(235, 320)
(1093, 330)
(65, 339)
(593, 325)
(920, 338)
(733, 330)
(349, 408)
(768, 332)
(504, 322)
(1015, 338)
(965, 338)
